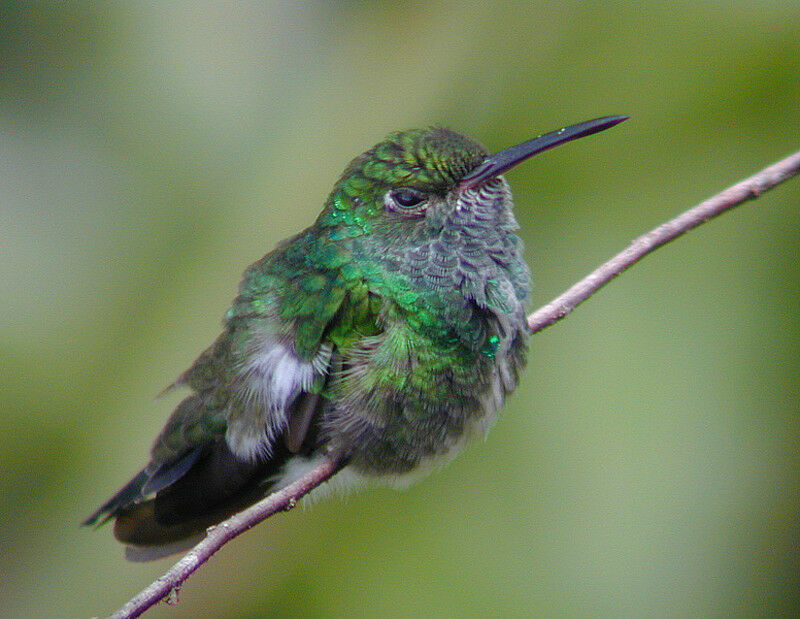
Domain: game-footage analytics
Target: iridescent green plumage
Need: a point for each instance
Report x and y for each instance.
(386, 334)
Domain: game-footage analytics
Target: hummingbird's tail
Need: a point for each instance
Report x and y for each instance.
(203, 488)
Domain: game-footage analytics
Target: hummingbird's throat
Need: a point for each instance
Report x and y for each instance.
(486, 206)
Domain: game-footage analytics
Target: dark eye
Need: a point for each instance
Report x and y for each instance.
(405, 200)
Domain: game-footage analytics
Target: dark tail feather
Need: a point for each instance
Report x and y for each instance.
(148, 537)
(215, 486)
(144, 483)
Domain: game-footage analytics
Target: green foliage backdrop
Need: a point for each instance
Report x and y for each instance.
(650, 461)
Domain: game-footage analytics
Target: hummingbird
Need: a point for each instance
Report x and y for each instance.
(385, 335)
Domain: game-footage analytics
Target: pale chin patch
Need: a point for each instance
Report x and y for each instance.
(271, 381)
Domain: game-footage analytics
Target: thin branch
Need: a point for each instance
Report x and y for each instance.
(747, 189)
(554, 311)
(218, 536)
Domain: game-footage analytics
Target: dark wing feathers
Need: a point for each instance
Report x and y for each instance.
(194, 478)
(170, 472)
(130, 493)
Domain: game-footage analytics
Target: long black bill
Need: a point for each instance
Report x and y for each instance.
(498, 163)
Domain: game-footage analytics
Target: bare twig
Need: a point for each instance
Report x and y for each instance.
(224, 532)
(747, 189)
(552, 312)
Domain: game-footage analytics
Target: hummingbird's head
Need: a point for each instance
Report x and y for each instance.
(405, 178)
(418, 181)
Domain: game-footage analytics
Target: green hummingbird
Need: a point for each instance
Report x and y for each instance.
(386, 334)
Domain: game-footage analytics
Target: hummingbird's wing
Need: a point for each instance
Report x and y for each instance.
(201, 471)
(255, 395)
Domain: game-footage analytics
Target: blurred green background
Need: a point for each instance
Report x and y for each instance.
(649, 464)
